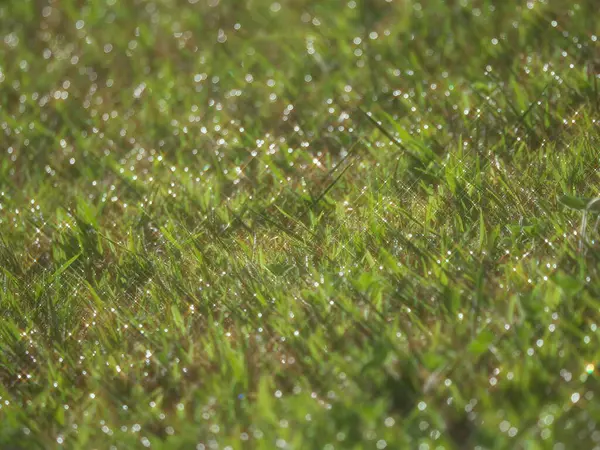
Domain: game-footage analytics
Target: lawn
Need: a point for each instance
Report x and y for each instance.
(299, 224)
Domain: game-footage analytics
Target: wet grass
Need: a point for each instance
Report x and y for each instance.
(299, 224)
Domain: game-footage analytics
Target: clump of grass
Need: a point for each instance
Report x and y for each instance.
(299, 224)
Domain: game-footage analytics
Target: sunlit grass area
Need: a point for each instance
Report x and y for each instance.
(299, 224)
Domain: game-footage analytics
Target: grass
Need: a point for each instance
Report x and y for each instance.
(302, 225)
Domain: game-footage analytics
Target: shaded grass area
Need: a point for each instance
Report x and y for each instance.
(299, 224)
